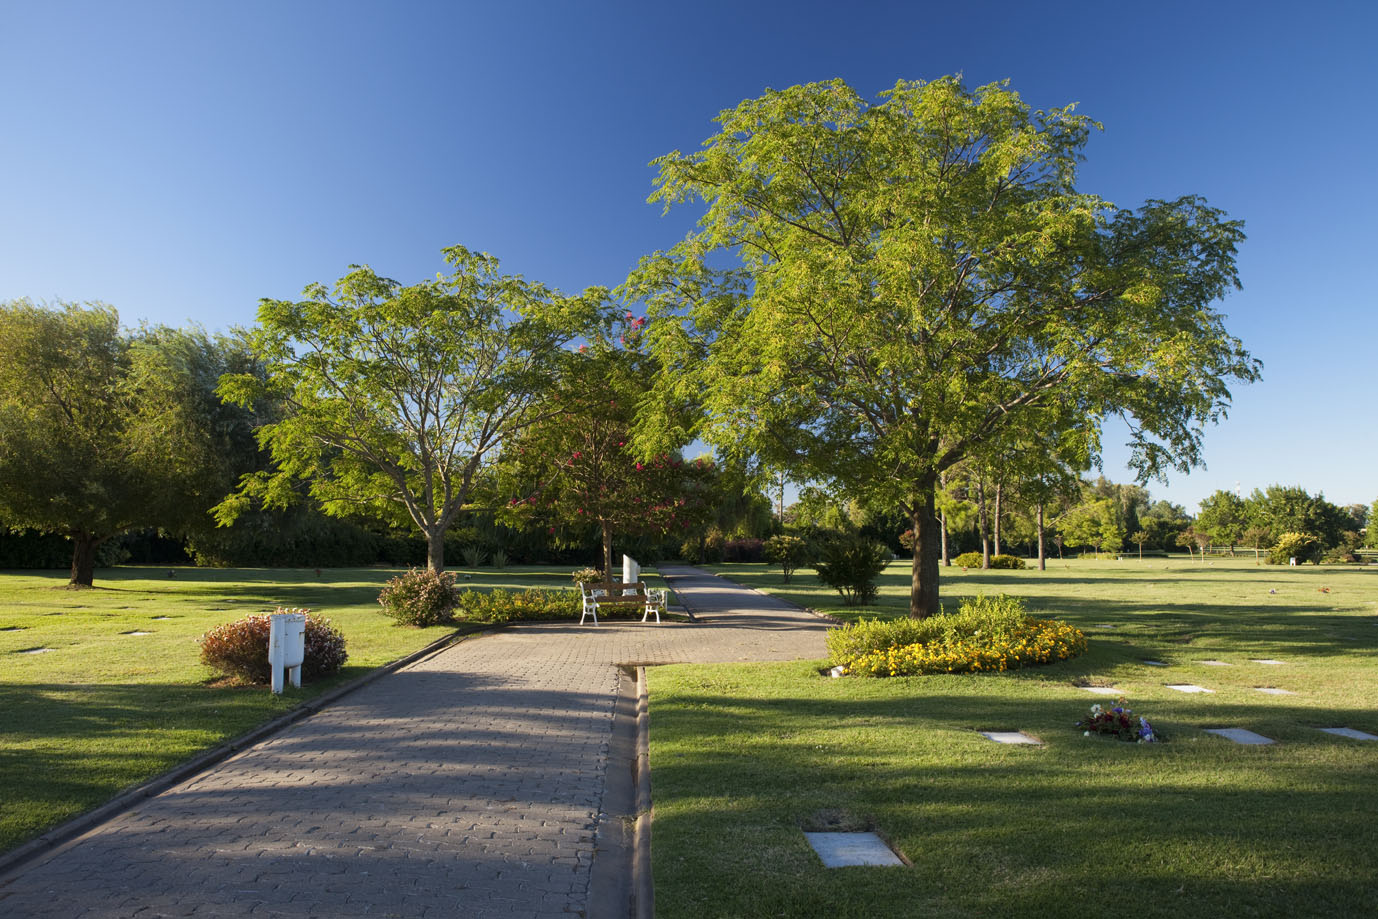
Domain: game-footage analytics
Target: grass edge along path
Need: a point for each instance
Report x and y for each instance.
(746, 757)
(122, 697)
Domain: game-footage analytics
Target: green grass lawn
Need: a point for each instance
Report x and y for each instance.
(745, 757)
(105, 709)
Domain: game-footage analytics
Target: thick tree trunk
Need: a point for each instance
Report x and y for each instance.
(923, 592)
(435, 550)
(607, 553)
(942, 527)
(1042, 562)
(84, 547)
(998, 490)
(983, 519)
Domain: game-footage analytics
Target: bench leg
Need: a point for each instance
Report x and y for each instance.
(589, 612)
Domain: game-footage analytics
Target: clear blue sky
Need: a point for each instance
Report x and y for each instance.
(181, 160)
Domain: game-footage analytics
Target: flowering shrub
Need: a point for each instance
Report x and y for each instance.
(240, 649)
(420, 597)
(973, 560)
(789, 552)
(498, 606)
(984, 634)
(1119, 722)
(587, 576)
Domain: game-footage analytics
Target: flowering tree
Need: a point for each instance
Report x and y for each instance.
(577, 468)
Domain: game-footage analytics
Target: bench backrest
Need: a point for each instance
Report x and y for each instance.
(618, 588)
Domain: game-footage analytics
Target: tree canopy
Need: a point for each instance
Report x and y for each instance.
(875, 291)
(398, 397)
(102, 430)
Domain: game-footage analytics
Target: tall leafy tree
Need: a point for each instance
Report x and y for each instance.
(1223, 517)
(104, 431)
(876, 291)
(396, 397)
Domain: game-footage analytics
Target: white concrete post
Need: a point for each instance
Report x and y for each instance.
(631, 571)
(286, 647)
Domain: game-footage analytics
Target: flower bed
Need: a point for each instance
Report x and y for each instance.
(984, 635)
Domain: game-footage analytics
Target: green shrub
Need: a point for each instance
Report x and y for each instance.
(240, 649)
(499, 558)
(1302, 546)
(420, 597)
(789, 552)
(984, 634)
(850, 566)
(587, 576)
(973, 560)
(499, 606)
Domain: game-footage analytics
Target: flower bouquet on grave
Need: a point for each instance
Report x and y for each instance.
(1119, 722)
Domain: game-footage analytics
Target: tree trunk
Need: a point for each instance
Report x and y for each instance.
(1042, 562)
(998, 490)
(84, 547)
(607, 552)
(435, 550)
(942, 528)
(984, 520)
(923, 592)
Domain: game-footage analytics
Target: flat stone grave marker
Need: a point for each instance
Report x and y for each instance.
(1015, 737)
(1215, 663)
(35, 650)
(1188, 687)
(158, 618)
(1264, 660)
(843, 850)
(1107, 626)
(1155, 663)
(1104, 690)
(1274, 692)
(1350, 733)
(136, 632)
(1240, 735)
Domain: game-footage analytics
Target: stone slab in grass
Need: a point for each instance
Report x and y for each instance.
(1155, 663)
(136, 632)
(1104, 690)
(33, 650)
(1265, 660)
(1350, 733)
(1015, 737)
(1188, 687)
(845, 850)
(1215, 663)
(1241, 735)
(1273, 691)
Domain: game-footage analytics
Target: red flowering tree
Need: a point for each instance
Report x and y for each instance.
(578, 468)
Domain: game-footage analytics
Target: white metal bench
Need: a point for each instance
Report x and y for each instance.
(603, 595)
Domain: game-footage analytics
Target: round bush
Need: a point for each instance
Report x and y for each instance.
(420, 597)
(240, 649)
(850, 566)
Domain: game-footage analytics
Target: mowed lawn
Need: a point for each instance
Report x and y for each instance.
(88, 707)
(747, 757)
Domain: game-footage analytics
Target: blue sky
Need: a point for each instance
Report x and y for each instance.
(182, 160)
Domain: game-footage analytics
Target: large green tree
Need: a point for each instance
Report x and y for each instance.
(103, 430)
(1224, 518)
(877, 290)
(397, 398)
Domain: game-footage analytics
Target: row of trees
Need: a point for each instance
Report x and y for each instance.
(892, 300)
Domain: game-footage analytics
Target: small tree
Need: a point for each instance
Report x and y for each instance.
(850, 565)
(1139, 538)
(789, 552)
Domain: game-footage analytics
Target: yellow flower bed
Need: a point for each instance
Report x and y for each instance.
(1037, 641)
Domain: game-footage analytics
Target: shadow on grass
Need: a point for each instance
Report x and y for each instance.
(1197, 826)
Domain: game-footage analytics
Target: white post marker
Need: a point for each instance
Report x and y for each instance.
(631, 571)
(286, 647)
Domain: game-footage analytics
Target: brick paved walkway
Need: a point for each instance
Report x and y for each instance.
(469, 784)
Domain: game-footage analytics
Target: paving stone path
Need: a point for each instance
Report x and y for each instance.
(468, 784)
